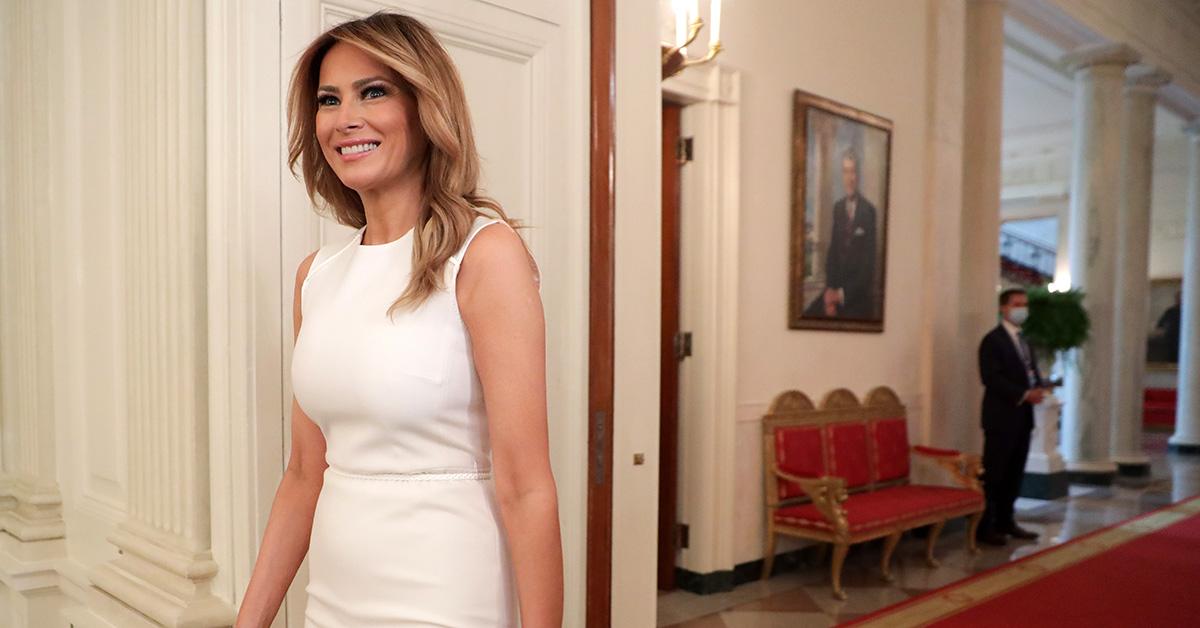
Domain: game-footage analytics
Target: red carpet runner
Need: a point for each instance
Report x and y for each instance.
(1143, 572)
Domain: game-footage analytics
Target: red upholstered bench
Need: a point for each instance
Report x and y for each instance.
(839, 474)
(1158, 408)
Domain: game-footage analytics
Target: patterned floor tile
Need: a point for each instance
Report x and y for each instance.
(794, 601)
(707, 621)
(921, 577)
(858, 600)
(776, 620)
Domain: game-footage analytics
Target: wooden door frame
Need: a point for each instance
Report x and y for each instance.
(601, 313)
(668, 444)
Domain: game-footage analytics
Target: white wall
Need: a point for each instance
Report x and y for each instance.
(1168, 207)
(872, 56)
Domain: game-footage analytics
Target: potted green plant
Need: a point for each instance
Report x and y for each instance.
(1056, 324)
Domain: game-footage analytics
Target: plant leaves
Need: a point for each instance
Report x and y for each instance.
(1057, 320)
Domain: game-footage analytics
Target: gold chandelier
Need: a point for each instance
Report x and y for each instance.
(687, 26)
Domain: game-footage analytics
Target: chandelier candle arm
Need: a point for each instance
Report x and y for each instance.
(693, 31)
(674, 57)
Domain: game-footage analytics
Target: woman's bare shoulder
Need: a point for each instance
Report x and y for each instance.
(498, 253)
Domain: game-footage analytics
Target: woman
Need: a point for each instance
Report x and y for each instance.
(414, 505)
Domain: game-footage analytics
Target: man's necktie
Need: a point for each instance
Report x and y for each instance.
(1025, 359)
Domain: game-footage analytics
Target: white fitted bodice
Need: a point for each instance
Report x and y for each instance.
(398, 396)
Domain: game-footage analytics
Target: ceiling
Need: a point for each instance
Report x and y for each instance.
(1038, 118)
(1039, 91)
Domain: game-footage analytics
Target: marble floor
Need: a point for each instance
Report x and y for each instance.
(803, 597)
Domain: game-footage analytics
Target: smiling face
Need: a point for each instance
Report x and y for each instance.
(366, 121)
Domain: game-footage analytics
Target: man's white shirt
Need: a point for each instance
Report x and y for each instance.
(1014, 335)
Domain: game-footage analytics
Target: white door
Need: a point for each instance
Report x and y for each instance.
(524, 66)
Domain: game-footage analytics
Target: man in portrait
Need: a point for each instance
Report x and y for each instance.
(850, 262)
(1165, 337)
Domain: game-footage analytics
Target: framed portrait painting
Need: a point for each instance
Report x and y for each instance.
(1162, 341)
(841, 162)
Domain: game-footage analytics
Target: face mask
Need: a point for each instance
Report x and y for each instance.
(1018, 315)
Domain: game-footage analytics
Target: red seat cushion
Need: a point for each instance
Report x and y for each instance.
(889, 438)
(866, 512)
(1158, 407)
(1160, 395)
(1158, 416)
(798, 452)
(848, 453)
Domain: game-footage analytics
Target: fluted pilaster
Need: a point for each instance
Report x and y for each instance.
(1133, 263)
(30, 501)
(1099, 78)
(166, 564)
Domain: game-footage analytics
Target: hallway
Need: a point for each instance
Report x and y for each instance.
(803, 598)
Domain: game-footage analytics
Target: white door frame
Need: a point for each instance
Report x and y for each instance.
(709, 217)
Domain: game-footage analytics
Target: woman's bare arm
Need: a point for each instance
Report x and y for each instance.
(289, 526)
(501, 306)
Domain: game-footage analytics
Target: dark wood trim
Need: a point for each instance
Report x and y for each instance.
(1101, 478)
(1045, 485)
(668, 411)
(600, 315)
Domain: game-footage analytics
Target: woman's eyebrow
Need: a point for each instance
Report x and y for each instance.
(357, 84)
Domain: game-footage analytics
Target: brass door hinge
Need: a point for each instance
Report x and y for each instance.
(683, 345)
(683, 150)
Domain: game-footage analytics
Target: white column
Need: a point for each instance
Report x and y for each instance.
(1099, 76)
(1133, 262)
(165, 568)
(1187, 414)
(983, 106)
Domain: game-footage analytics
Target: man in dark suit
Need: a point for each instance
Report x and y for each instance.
(1166, 331)
(1012, 386)
(850, 261)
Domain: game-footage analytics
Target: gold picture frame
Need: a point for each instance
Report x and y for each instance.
(841, 172)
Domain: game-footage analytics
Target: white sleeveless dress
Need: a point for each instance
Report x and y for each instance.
(407, 529)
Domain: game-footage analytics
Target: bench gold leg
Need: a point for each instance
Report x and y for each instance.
(889, 546)
(768, 554)
(973, 525)
(934, 532)
(839, 557)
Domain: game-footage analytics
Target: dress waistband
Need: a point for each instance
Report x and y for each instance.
(415, 476)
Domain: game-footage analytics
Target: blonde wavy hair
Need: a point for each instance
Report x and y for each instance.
(451, 195)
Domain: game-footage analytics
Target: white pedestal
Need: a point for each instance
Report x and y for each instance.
(1045, 469)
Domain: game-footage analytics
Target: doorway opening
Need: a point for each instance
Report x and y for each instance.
(675, 346)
